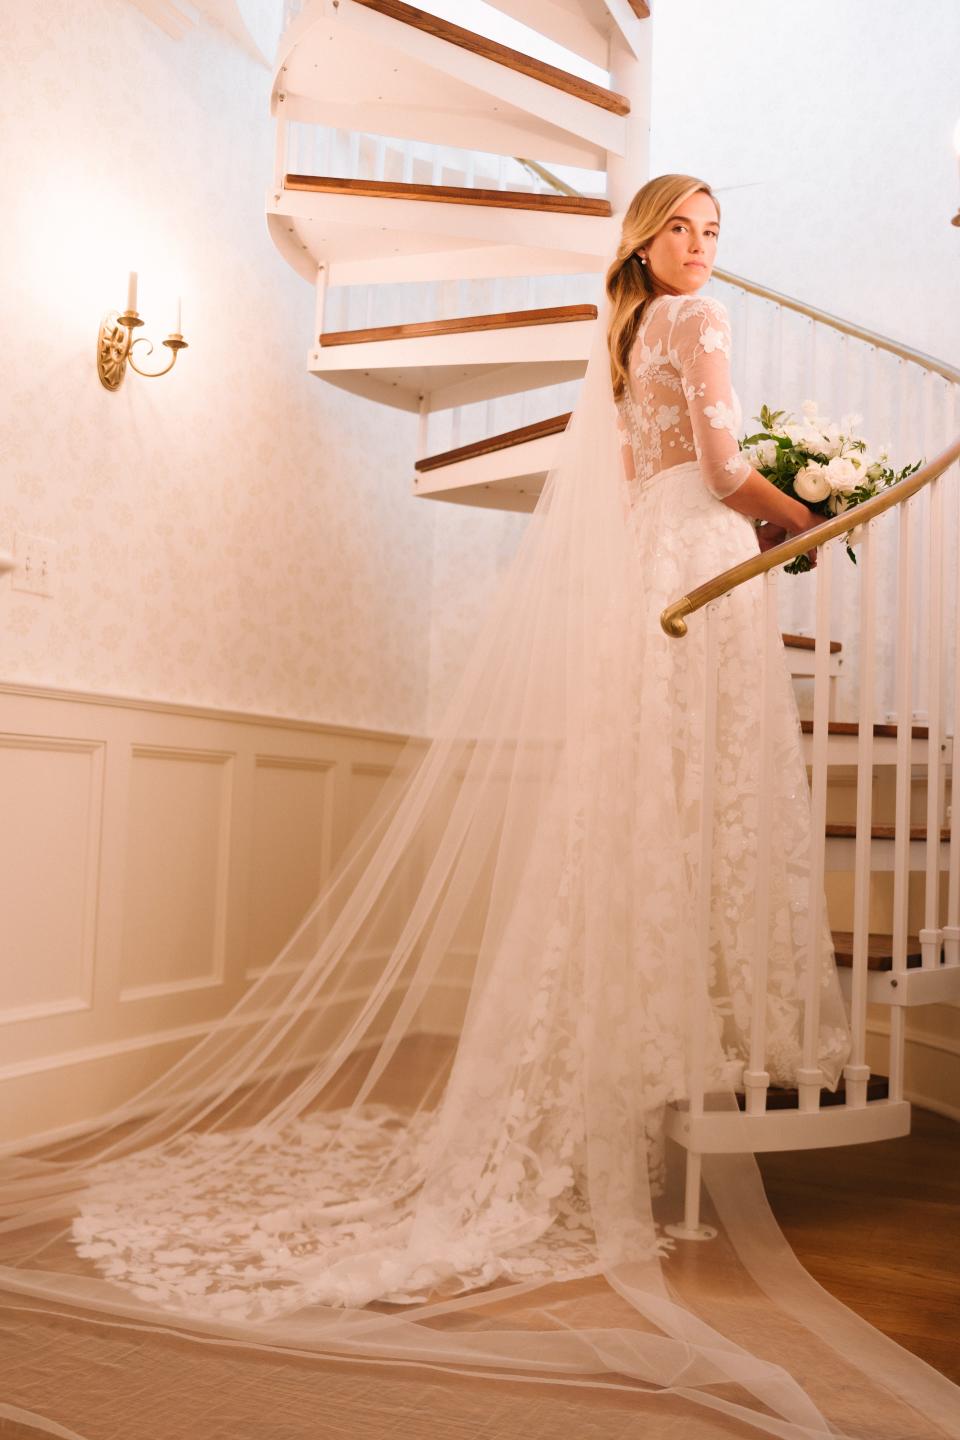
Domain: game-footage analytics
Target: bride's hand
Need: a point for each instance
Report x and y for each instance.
(808, 520)
(769, 535)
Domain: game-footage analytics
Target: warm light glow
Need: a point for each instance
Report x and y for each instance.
(956, 139)
(85, 240)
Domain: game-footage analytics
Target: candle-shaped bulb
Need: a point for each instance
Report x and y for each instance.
(132, 292)
(179, 327)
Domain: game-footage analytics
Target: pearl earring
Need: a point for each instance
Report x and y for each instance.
(642, 260)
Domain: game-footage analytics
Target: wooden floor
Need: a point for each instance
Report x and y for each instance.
(879, 1227)
(876, 1224)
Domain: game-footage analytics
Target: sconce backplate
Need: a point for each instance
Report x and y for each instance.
(113, 346)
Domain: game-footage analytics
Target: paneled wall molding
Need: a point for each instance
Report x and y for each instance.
(158, 856)
(64, 821)
(194, 711)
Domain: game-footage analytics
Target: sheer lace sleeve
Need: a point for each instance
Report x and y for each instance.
(699, 346)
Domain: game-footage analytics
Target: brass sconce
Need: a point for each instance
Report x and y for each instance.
(115, 343)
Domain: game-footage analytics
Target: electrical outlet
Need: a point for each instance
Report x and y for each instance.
(34, 567)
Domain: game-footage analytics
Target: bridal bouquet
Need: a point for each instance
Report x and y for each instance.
(820, 462)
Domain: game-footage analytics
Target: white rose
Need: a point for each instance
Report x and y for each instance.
(841, 474)
(810, 409)
(767, 452)
(811, 483)
(849, 422)
(794, 432)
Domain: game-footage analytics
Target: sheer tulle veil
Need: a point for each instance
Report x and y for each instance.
(431, 1133)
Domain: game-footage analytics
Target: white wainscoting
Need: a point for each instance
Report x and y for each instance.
(154, 857)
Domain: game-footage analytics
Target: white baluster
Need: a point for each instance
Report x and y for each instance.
(809, 1075)
(280, 169)
(901, 847)
(691, 1229)
(321, 296)
(423, 425)
(857, 1071)
(951, 931)
(930, 934)
(756, 1078)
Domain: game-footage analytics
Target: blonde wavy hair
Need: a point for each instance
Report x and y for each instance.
(628, 282)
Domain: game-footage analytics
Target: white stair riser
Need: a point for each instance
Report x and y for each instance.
(727, 1133)
(801, 663)
(841, 855)
(351, 230)
(459, 369)
(842, 750)
(467, 128)
(526, 465)
(462, 263)
(582, 26)
(432, 224)
(399, 389)
(579, 24)
(908, 988)
(401, 65)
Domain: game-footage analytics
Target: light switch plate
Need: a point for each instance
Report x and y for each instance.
(34, 558)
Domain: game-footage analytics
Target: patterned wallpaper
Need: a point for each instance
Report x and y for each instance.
(235, 534)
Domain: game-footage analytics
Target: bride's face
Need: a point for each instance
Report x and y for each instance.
(681, 255)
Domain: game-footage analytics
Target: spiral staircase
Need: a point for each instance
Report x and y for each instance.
(412, 152)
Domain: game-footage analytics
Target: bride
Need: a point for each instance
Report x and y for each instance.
(433, 1132)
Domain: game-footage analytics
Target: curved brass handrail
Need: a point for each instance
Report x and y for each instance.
(672, 618)
(823, 317)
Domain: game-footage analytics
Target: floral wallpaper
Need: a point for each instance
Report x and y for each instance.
(236, 533)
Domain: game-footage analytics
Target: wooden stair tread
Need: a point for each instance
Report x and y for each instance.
(504, 55)
(807, 642)
(464, 324)
(787, 1098)
(845, 831)
(555, 425)
(449, 194)
(852, 727)
(879, 950)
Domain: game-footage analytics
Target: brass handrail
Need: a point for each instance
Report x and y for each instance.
(542, 173)
(672, 618)
(823, 317)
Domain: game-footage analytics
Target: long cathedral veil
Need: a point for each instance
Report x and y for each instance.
(431, 1133)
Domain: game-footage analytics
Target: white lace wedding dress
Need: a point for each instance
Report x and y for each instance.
(537, 1149)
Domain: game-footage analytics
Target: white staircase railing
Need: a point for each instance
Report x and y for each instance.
(913, 971)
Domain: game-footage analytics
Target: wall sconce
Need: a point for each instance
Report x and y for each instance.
(115, 343)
